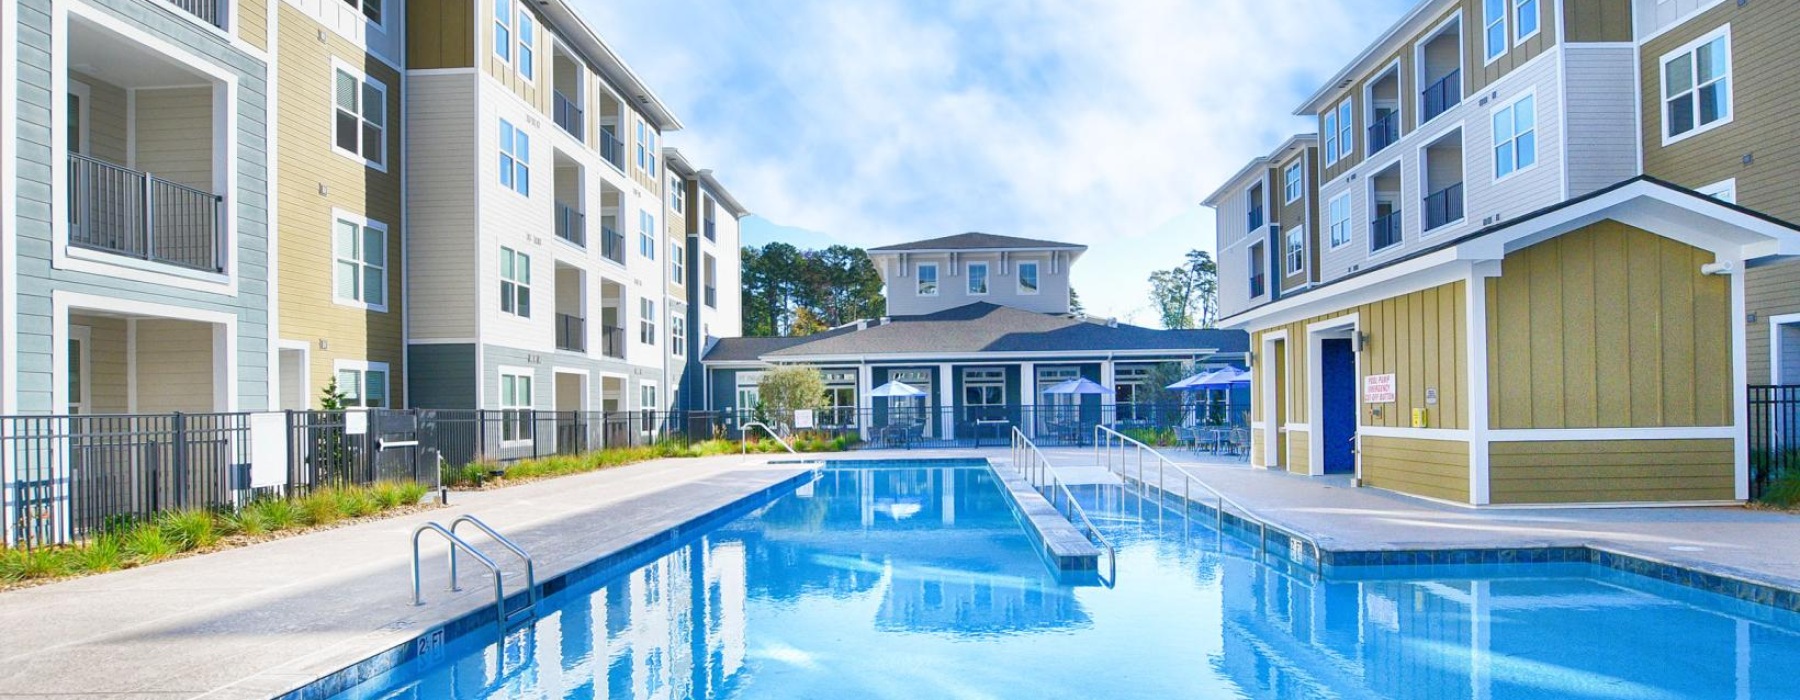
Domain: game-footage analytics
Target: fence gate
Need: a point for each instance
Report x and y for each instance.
(404, 447)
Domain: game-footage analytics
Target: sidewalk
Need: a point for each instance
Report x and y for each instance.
(260, 620)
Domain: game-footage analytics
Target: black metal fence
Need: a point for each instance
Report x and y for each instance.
(1774, 430)
(911, 425)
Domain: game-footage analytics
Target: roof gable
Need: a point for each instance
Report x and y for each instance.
(977, 241)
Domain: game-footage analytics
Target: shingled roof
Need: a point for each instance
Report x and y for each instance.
(977, 241)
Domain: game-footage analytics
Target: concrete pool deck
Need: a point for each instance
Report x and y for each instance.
(261, 620)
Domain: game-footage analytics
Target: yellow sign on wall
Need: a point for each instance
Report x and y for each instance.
(1420, 419)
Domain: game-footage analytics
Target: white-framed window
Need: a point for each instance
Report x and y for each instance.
(928, 279)
(1296, 249)
(1515, 137)
(646, 321)
(1028, 278)
(1724, 191)
(363, 384)
(646, 235)
(647, 399)
(515, 403)
(515, 283)
(527, 44)
(1331, 141)
(370, 9)
(503, 14)
(677, 263)
(1293, 182)
(515, 158)
(359, 275)
(677, 194)
(978, 279)
(646, 148)
(1525, 20)
(359, 116)
(1338, 214)
(1696, 86)
(1346, 129)
(677, 334)
(1493, 22)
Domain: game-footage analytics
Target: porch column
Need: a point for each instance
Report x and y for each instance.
(1028, 398)
(946, 401)
(865, 404)
(1109, 401)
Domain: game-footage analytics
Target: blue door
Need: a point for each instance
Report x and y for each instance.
(1337, 364)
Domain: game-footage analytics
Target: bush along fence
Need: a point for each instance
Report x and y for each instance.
(1774, 428)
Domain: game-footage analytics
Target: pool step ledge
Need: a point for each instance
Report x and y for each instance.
(1064, 545)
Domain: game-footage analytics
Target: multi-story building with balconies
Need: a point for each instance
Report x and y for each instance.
(1269, 219)
(1508, 305)
(713, 268)
(137, 244)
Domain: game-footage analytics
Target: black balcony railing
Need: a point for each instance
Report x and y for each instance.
(1384, 132)
(135, 214)
(1444, 206)
(1384, 231)
(612, 342)
(567, 115)
(1442, 95)
(612, 149)
(213, 11)
(571, 333)
(712, 297)
(571, 225)
(1255, 219)
(1257, 285)
(612, 244)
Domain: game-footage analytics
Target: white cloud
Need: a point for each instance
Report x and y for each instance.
(1095, 121)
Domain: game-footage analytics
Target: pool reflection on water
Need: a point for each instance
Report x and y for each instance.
(906, 583)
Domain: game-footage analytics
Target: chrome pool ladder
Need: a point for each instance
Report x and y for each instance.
(458, 543)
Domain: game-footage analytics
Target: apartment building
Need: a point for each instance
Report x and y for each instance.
(339, 182)
(538, 268)
(137, 239)
(713, 267)
(1269, 218)
(1509, 306)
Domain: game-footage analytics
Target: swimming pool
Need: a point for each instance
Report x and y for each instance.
(905, 582)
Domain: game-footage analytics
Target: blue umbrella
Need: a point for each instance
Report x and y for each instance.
(1078, 385)
(1224, 378)
(897, 390)
(1191, 383)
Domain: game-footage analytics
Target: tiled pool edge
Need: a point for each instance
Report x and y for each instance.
(435, 638)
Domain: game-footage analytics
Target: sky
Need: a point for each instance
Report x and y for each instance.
(1100, 122)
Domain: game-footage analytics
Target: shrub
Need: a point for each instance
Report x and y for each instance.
(276, 514)
(319, 508)
(104, 553)
(355, 503)
(147, 543)
(1784, 491)
(386, 495)
(188, 529)
(411, 492)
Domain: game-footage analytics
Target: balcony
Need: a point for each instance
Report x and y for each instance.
(1442, 95)
(571, 225)
(1257, 285)
(711, 297)
(567, 115)
(612, 342)
(612, 244)
(612, 149)
(1384, 132)
(571, 333)
(1255, 219)
(1384, 231)
(1444, 206)
(135, 214)
(213, 11)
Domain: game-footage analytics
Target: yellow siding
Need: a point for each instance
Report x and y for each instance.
(168, 145)
(108, 364)
(253, 22)
(175, 366)
(440, 34)
(1611, 471)
(533, 91)
(1608, 327)
(1299, 460)
(1256, 446)
(307, 307)
(1431, 468)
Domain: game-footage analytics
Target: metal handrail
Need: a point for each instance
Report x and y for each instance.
(504, 541)
(744, 437)
(1040, 468)
(1103, 437)
(456, 543)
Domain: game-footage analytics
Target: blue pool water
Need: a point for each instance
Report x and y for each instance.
(918, 583)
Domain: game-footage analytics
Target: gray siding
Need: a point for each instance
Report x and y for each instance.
(441, 376)
(1602, 112)
(544, 365)
(38, 280)
(440, 208)
(953, 281)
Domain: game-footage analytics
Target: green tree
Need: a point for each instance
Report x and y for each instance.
(833, 286)
(1075, 306)
(784, 390)
(1186, 296)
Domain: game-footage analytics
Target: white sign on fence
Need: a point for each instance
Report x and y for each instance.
(268, 449)
(1378, 388)
(803, 418)
(356, 422)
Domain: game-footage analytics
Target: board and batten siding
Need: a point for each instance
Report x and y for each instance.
(534, 90)
(1608, 326)
(1478, 73)
(1299, 460)
(316, 181)
(1599, 21)
(440, 210)
(1611, 471)
(440, 34)
(1431, 468)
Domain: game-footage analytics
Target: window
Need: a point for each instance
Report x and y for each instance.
(646, 321)
(360, 276)
(677, 335)
(677, 263)
(515, 283)
(978, 279)
(515, 404)
(710, 269)
(647, 399)
(983, 394)
(1293, 182)
(1339, 215)
(527, 40)
(1296, 249)
(503, 29)
(360, 111)
(646, 148)
(364, 384)
(1525, 22)
(1515, 137)
(1331, 142)
(1493, 17)
(1028, 278)
(515, 159)
(1697, 87)
(370, 9)
(1346, 130)
(928, 279)
(677, 195)
(646, 235)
